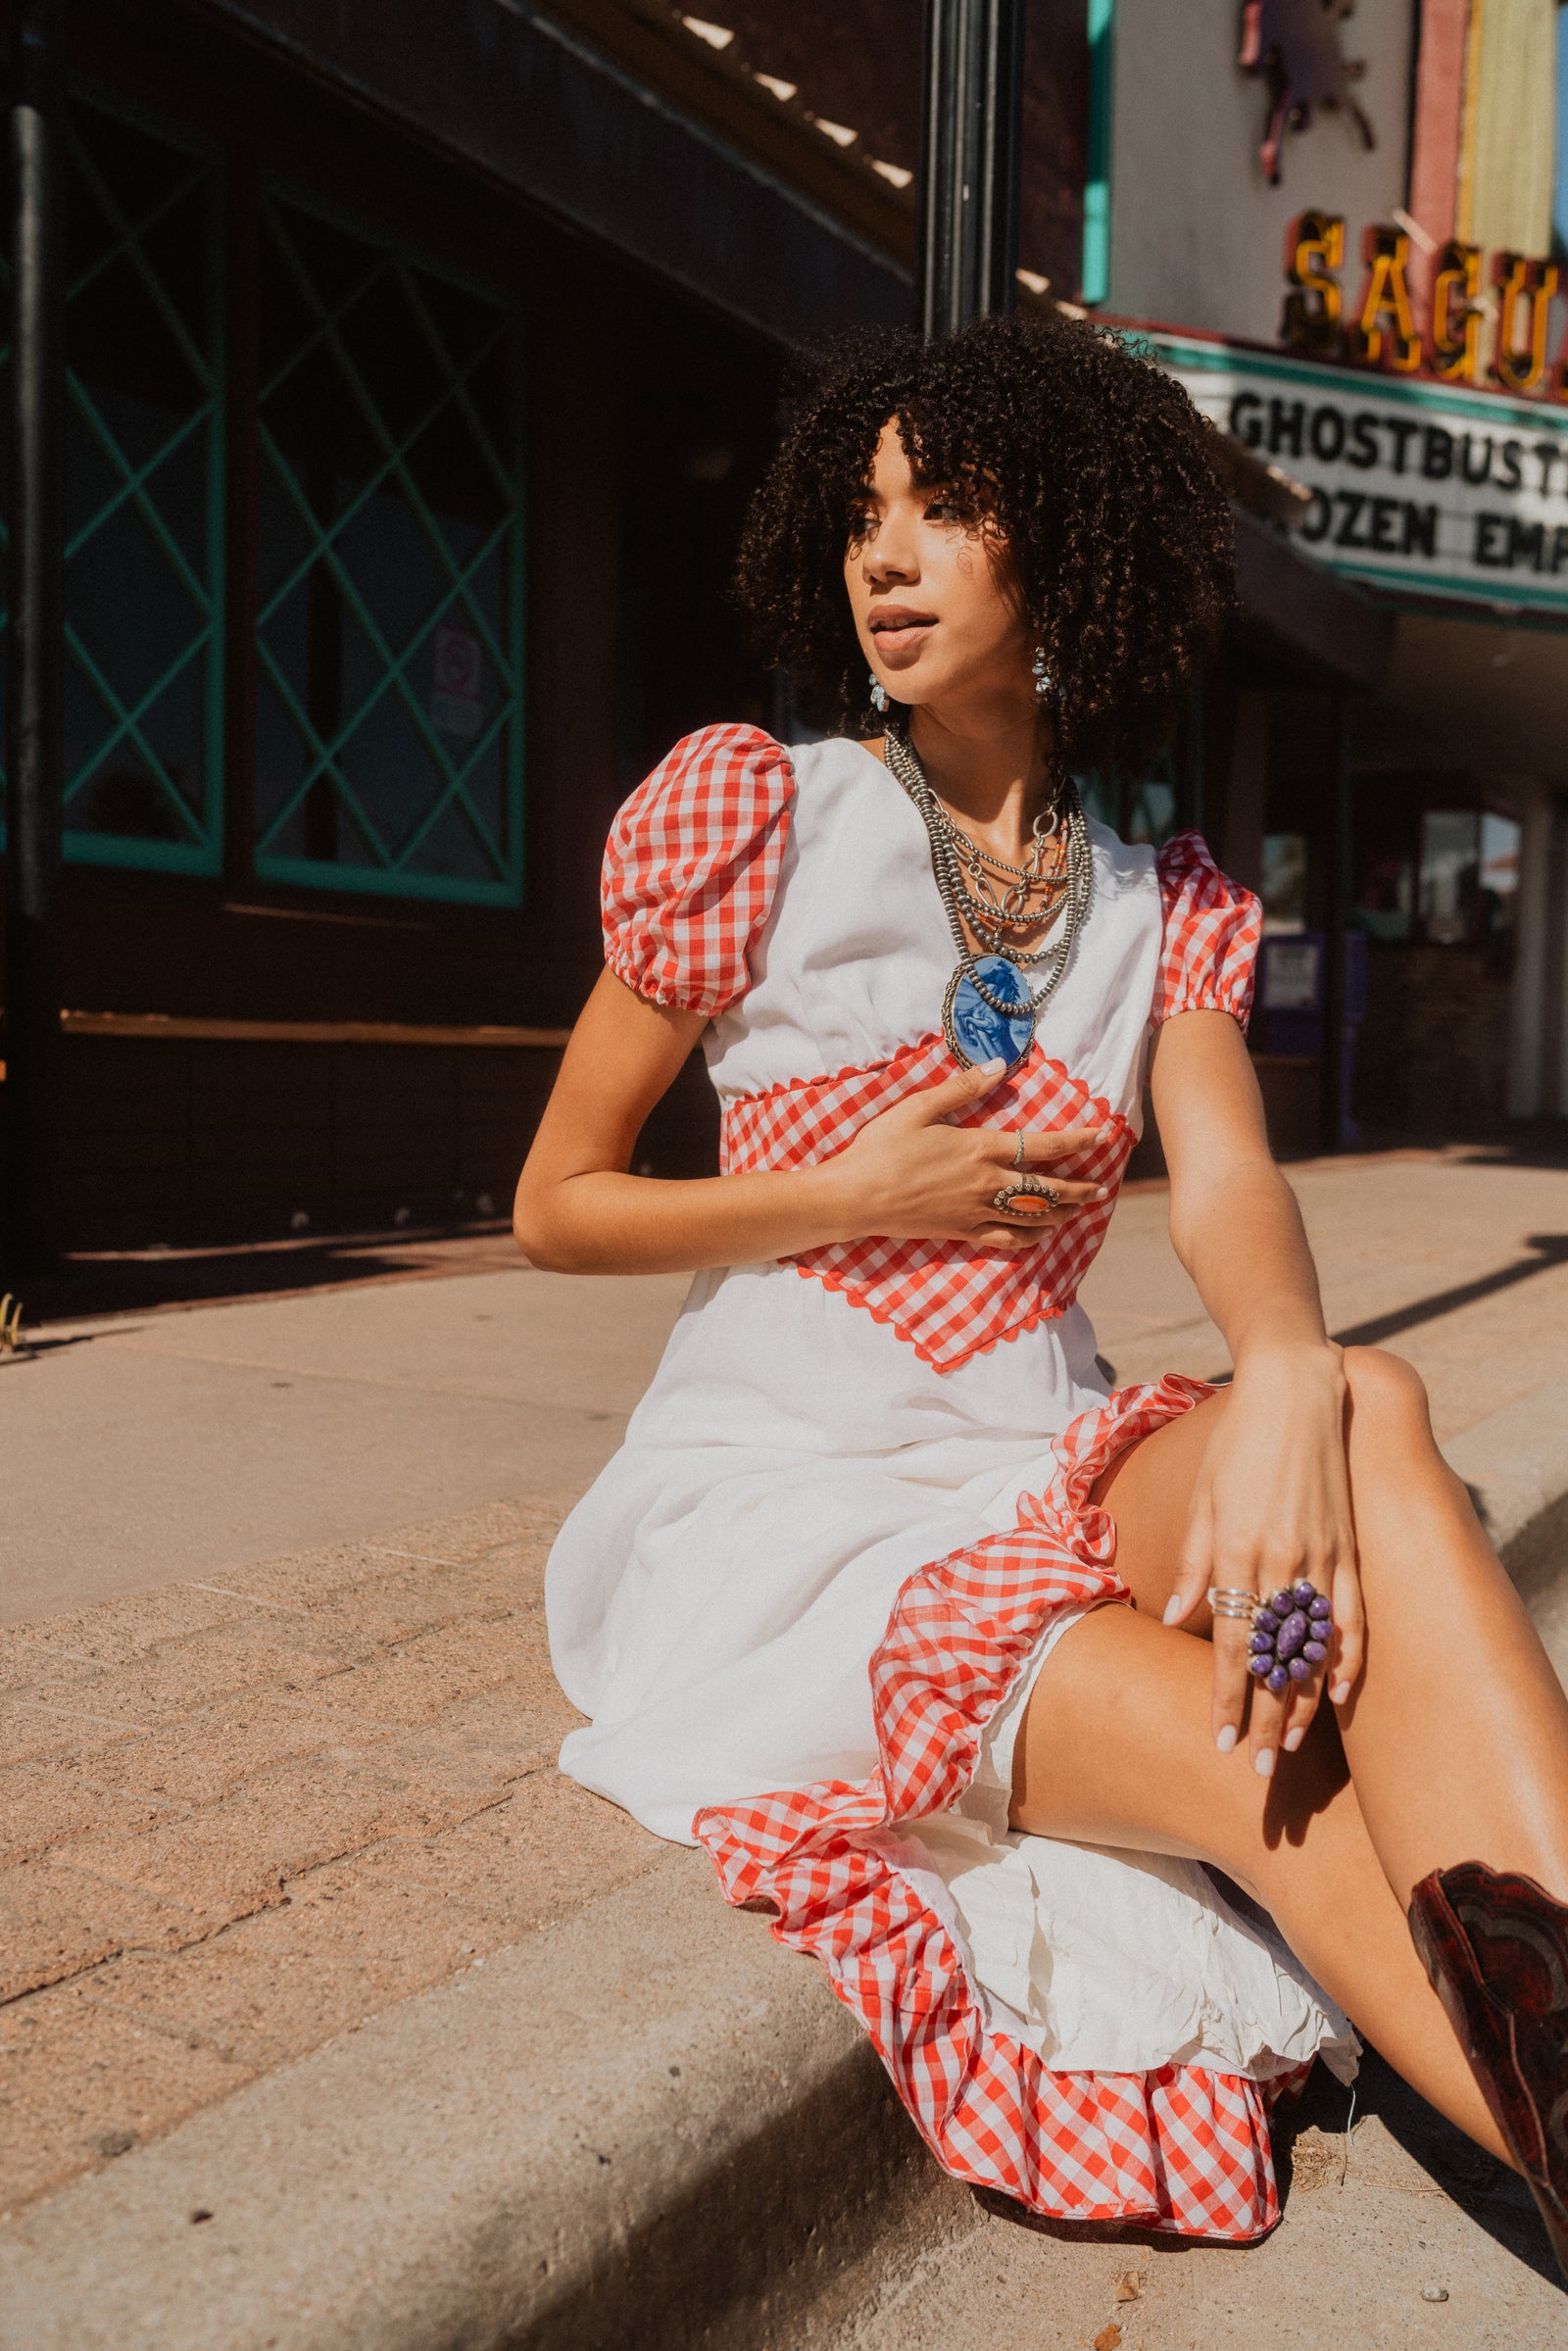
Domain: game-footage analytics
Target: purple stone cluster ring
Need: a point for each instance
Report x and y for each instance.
(1290, 1636)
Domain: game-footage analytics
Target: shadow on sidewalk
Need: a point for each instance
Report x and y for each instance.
(151, 1281)
(1551, 1249)
(1486, 2191)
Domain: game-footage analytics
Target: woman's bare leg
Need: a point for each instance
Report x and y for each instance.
(1457, 1733)
(1456, 1738)
(1117, 1749)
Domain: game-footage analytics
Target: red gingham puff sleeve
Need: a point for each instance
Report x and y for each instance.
(691, 868)
(1212, 927)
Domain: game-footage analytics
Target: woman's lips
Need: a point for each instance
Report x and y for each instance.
(897, 629)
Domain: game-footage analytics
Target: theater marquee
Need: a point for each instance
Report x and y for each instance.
(1414, 485)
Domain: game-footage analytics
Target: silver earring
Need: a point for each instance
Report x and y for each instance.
(1041, 673)
(879, 693)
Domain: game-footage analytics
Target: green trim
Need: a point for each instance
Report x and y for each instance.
(143, 857)
(315, 873)
(1097, 178)
(392, 867)
(1415, 585)
(133, 488)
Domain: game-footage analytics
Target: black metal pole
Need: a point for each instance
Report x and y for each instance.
(967, 238)
(35, 582)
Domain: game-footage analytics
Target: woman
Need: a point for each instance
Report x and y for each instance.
(947, 1655)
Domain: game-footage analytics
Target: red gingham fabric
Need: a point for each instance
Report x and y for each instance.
(945, 1298)
(1213, 926)
(691, 868)
(1180, 2148)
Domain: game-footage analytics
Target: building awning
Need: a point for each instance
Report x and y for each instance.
(1299, 622)
(539, 110)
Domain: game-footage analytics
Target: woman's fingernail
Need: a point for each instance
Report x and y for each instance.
(989, 1069)
(1340, 1692)
(1263, 1762)
(1293, 1739)
(1227, 1738)
(1173, 1608)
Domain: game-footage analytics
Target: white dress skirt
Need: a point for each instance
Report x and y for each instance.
(806, 1604)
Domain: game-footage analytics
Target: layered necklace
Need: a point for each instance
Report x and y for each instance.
(991, 1007)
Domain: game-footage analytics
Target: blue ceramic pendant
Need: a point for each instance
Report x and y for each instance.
(975, 1030)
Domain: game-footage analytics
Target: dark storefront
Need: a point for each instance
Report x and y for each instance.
(406, 459)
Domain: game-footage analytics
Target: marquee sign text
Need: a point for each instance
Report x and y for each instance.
(1450, 494)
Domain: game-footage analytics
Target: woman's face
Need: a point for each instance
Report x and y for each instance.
(934, 604)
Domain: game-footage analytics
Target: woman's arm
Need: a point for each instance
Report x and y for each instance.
(1272, 1501)
(906, 1175)
(1234, 1221)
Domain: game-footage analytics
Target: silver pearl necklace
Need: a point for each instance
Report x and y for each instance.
(991, 1007)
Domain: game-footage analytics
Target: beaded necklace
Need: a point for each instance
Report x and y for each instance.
(990, 1009)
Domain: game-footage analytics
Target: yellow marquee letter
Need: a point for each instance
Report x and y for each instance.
(1314, 250)
(1527, 285)
(1386, 289)
(1456, 315)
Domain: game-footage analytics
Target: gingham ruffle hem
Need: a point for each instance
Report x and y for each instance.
(1181, 2148)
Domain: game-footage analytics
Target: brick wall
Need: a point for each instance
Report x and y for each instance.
(1433, 1051)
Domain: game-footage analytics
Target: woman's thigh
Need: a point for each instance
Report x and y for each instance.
(1117, 1749)
(1148, 1490)
(1117, 1745)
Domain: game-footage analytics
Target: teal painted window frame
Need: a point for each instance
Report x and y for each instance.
(1097, 180)
(387, 879)
(204, 853)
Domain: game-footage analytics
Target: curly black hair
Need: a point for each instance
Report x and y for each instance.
(1080, 453)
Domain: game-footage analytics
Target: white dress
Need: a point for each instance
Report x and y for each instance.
(804, 1604)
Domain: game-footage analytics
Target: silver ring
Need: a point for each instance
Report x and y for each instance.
(1230, 1601)
(1027, 1187)
(1017, 1154)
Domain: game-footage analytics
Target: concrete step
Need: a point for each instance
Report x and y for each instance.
(649, 2126)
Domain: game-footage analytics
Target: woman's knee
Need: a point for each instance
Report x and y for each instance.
(1399, 1476)
(1388, 1396)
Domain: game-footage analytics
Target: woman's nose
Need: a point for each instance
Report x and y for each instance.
(890, 557)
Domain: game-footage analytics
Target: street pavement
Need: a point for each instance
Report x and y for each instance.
(277, 1724)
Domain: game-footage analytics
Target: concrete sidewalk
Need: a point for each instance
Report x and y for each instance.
(285, 1857)
(151, 1446)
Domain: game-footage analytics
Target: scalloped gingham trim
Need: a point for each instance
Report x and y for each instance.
(947, 1300)
(1180, 2148)
(858, 1296)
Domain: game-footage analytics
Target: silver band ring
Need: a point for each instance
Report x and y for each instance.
(1229, 1601)
(1027, 1187)
(1017, 1150)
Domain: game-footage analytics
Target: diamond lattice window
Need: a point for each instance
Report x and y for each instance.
(143, 712)
(389, 743)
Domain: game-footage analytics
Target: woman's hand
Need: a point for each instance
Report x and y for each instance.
(910, 1176)
(1272, 1504)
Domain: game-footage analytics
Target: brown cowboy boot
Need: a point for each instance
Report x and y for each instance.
(1495, 1946)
